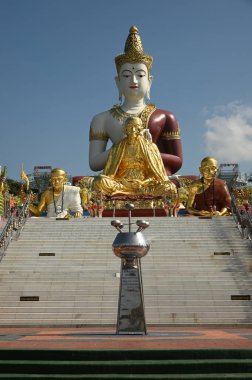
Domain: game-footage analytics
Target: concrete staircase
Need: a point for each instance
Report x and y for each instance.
(64, 273)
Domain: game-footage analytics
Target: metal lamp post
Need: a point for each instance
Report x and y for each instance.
(130, 247)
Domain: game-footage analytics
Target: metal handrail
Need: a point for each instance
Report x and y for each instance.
(6, 236)
(19, 223)
(242, 219)
(14, 227)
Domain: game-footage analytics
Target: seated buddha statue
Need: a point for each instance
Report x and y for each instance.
(134, 82)
(59, 199)
(134, 165)
(209, 196)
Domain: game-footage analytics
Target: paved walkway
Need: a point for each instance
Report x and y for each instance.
(105, 338)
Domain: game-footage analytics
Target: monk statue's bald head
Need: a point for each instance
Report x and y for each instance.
(58, 171)
(58, 177)
(209, 161)
(208, 168)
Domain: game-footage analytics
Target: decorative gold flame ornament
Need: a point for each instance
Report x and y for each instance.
(3, 173)
(24, 178)
(243, 195)
(3, 188)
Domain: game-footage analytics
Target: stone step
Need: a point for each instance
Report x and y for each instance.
(82, 312)
(101, 273)
(83, 265)
(173, 243)
(162, 299)
(95, 271)
(200, 288)
(13, 299)
(109, 318)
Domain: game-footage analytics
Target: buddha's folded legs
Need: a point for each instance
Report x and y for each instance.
(110, 186)
(106, 185)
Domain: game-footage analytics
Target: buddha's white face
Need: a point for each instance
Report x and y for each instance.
(133, 81)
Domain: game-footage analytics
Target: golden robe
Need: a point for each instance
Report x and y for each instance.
(136, 168)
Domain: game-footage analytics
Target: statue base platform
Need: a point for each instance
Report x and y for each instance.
(135, 213)
(143, 206)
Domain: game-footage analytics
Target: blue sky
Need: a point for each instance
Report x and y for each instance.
(57, 71)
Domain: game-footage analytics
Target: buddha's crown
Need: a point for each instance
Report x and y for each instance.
(133, 51)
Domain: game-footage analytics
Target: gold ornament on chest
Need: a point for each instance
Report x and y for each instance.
(119, 114)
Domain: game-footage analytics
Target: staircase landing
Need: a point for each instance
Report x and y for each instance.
(104, 338)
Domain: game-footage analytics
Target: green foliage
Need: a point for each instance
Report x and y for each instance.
(14, 186)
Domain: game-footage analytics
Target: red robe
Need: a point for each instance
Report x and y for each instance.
(216, 195)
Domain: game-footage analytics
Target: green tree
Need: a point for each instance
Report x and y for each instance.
(13, 186)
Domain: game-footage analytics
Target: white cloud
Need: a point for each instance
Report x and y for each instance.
(228, 135)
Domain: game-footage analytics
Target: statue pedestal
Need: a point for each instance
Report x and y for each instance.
(136, 213)
(130, 317)
(144, 206)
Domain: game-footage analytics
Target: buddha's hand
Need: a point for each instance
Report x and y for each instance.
(206, 213)
(77, 214)
(170, 186)
(131, 183)
(217, 213)
(146, 181)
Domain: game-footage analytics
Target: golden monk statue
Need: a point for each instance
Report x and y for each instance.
(209, 196)
(134, 82)
(134, 165)
(60, 199)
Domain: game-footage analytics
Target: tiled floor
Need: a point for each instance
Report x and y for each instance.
(105, 338)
